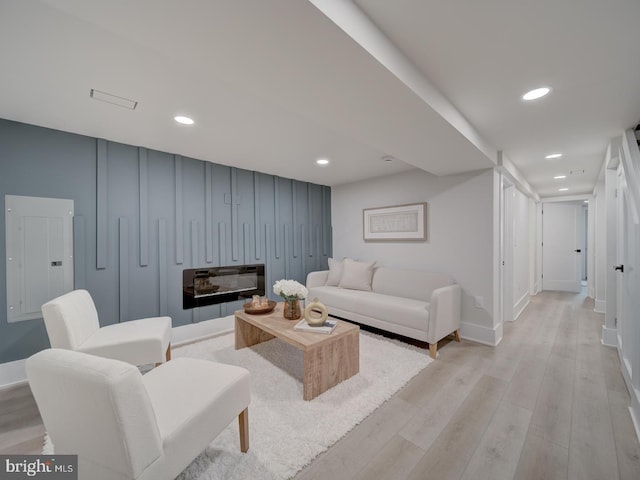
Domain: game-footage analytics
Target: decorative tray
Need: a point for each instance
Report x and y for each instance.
(252, 309)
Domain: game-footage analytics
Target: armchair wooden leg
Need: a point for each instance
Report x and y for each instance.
(168, 355)
(433, 349)
(243, 422)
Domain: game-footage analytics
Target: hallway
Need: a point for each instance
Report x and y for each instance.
(548, 402)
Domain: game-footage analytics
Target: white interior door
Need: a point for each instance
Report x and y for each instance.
(621, 212)
(561, 247)
(628, 283)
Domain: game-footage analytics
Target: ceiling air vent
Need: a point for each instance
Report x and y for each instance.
(113, 99)
(575, 173)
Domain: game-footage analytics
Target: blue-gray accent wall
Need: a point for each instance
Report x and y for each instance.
(141, 216)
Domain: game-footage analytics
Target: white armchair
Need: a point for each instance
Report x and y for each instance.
(123, 425)
(72, 323)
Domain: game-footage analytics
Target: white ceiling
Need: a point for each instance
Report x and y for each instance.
(275, 84)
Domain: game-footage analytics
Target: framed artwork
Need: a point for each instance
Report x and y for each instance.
(396, 223)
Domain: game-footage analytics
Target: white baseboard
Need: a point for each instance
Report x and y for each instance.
(600, 306)
(634, 410)
(12, 373)
(609, 337)
(198, 331)
(477, 333)
(520, 305)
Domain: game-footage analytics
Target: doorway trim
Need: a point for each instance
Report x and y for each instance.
(590, 231)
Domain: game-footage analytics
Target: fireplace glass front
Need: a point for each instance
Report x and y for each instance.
(209, 286)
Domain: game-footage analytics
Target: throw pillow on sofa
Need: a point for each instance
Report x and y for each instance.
(335, 272)
(356, 275)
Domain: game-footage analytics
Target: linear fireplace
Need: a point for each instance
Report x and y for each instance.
(208, 286)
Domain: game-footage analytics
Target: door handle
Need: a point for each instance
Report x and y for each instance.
(577, 250)
(619, 268)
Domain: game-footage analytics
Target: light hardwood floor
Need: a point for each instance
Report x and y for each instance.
(548, 403)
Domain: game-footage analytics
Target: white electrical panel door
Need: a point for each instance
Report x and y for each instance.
(39, 257)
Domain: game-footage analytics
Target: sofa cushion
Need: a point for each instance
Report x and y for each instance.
(356, 275)
(401, 311)
(414, 284)
(340, 298)
(335, 272)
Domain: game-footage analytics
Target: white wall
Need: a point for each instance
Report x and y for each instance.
(459, 234)
(521, 252)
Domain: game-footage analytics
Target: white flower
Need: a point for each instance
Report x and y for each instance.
(290, 290)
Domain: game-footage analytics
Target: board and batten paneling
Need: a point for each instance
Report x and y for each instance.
(144, 215)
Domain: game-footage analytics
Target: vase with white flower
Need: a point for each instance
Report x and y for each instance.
(291, 292)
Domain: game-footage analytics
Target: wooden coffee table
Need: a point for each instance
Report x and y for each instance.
(328, 359)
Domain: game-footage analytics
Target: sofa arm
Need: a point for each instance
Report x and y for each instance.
(444, 312)
(317, 279)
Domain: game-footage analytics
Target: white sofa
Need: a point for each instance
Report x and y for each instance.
(416, 304)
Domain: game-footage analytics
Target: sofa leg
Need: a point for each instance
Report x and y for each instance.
(243, 422)
(456, 335)
(433, 349)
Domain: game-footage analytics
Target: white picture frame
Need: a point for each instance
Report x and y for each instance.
(395, 223)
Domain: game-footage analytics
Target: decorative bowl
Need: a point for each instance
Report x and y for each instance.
(254, 309)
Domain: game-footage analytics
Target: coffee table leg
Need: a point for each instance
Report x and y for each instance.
(247, 334)
(329, 364)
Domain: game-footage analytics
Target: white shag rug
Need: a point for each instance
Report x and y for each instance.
(285, 432)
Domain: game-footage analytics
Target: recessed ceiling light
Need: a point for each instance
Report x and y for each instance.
(558, 177)
(553, 155)
(322, 161)
(563, 189)
(387, 158)
(536, 93)
(586, 201)
(183, 120)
